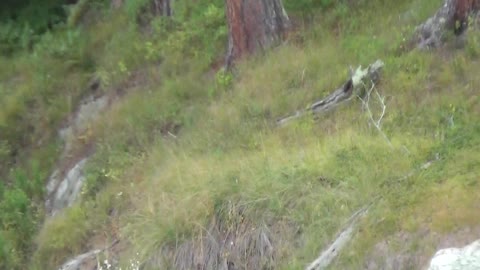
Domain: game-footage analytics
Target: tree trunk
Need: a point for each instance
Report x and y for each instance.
(452, 16)
(162, 7)
(254, 25)
(462, 9)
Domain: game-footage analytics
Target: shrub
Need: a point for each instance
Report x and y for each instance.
(18, 227)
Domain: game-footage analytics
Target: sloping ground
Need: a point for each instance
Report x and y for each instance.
(232, 190)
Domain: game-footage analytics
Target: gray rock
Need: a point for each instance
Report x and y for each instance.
(63, 189)
(63, 193)
(466, 258)
(78, 263)
(88, 112)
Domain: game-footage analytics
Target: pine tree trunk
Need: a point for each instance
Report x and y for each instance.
(254, 25)
(462, 9)
(162, 7)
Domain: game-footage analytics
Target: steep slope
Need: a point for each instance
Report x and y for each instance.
(191, 171)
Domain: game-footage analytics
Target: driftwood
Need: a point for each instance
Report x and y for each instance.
(341, 94)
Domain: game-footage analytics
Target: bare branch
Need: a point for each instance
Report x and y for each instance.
(366, 106)
(332, 251)
(329, 254)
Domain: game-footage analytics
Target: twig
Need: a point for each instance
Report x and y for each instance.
(366, 105)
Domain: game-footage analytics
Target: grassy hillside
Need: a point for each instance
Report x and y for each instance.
(189, 153)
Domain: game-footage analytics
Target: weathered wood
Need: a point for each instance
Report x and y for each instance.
(330, 253)
(344, 237)
(253, 25)
(341, 94)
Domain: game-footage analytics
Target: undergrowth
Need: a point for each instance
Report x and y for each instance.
(188, 152)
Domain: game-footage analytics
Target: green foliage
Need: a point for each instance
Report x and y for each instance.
(39, 16)
(31, 183)
(134, 7)
(473, 44)
(67, 45)
(197, 31)
(17, 222)
(8, 260)
(224, 79)
(22, 22)
(307, 8)
(4, 155)
(179, 145)
(15, 36)
(19, 214)
(307, 5)
(77, 12)
(64, 235)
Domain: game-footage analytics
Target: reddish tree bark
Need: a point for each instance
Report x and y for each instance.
(254, 25)
(462, 9)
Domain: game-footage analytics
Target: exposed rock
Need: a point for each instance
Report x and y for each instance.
(82, 262)
(63, 193)
(88, 112)
(92, 260)
(466, 258)
(65, 183)
(414, 250)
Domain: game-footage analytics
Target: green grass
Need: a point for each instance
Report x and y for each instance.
(185, 151)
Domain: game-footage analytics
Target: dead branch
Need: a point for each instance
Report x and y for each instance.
(332, 251)
(341, 94)
(366, 106)
(329, 254)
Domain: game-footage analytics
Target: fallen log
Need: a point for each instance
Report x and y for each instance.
(342, 94)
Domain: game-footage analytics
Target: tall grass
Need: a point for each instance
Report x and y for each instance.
(181, 155)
